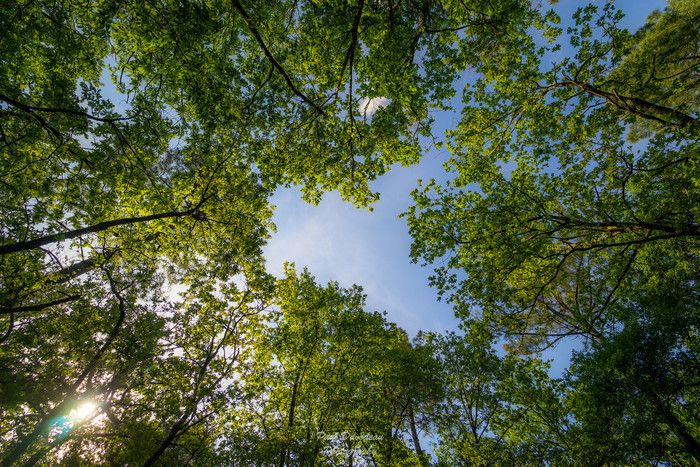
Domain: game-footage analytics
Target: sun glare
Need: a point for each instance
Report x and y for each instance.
(83, 411)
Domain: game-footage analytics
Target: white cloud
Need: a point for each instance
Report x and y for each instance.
(369, 105)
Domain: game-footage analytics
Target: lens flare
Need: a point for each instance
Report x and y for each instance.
(61, 426)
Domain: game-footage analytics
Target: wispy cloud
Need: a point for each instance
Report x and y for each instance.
(353, 246)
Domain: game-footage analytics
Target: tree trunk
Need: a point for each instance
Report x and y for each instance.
(165, 444)
(284, 452)
(414, 432)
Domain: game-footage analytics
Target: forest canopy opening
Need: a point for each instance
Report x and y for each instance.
(141, 142)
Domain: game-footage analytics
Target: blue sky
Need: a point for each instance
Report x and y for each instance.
(337, 241)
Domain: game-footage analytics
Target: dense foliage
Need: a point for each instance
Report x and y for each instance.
(140, 143)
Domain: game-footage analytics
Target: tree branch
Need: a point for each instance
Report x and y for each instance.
(38, 306)
(256, 34)
(633, 105)
(350, 53)
(30, 109)
(99, 227)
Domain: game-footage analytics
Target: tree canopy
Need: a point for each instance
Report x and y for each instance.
(140, 143)
(573, 213)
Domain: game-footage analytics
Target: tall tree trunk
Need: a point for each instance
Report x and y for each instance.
(165, 444)
(284, 452)
(414, 432)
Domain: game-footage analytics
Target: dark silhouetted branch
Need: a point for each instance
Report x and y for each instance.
(38, 306)
(256, 34)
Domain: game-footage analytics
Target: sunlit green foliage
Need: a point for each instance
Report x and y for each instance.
(552, 211)
(333, 383)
